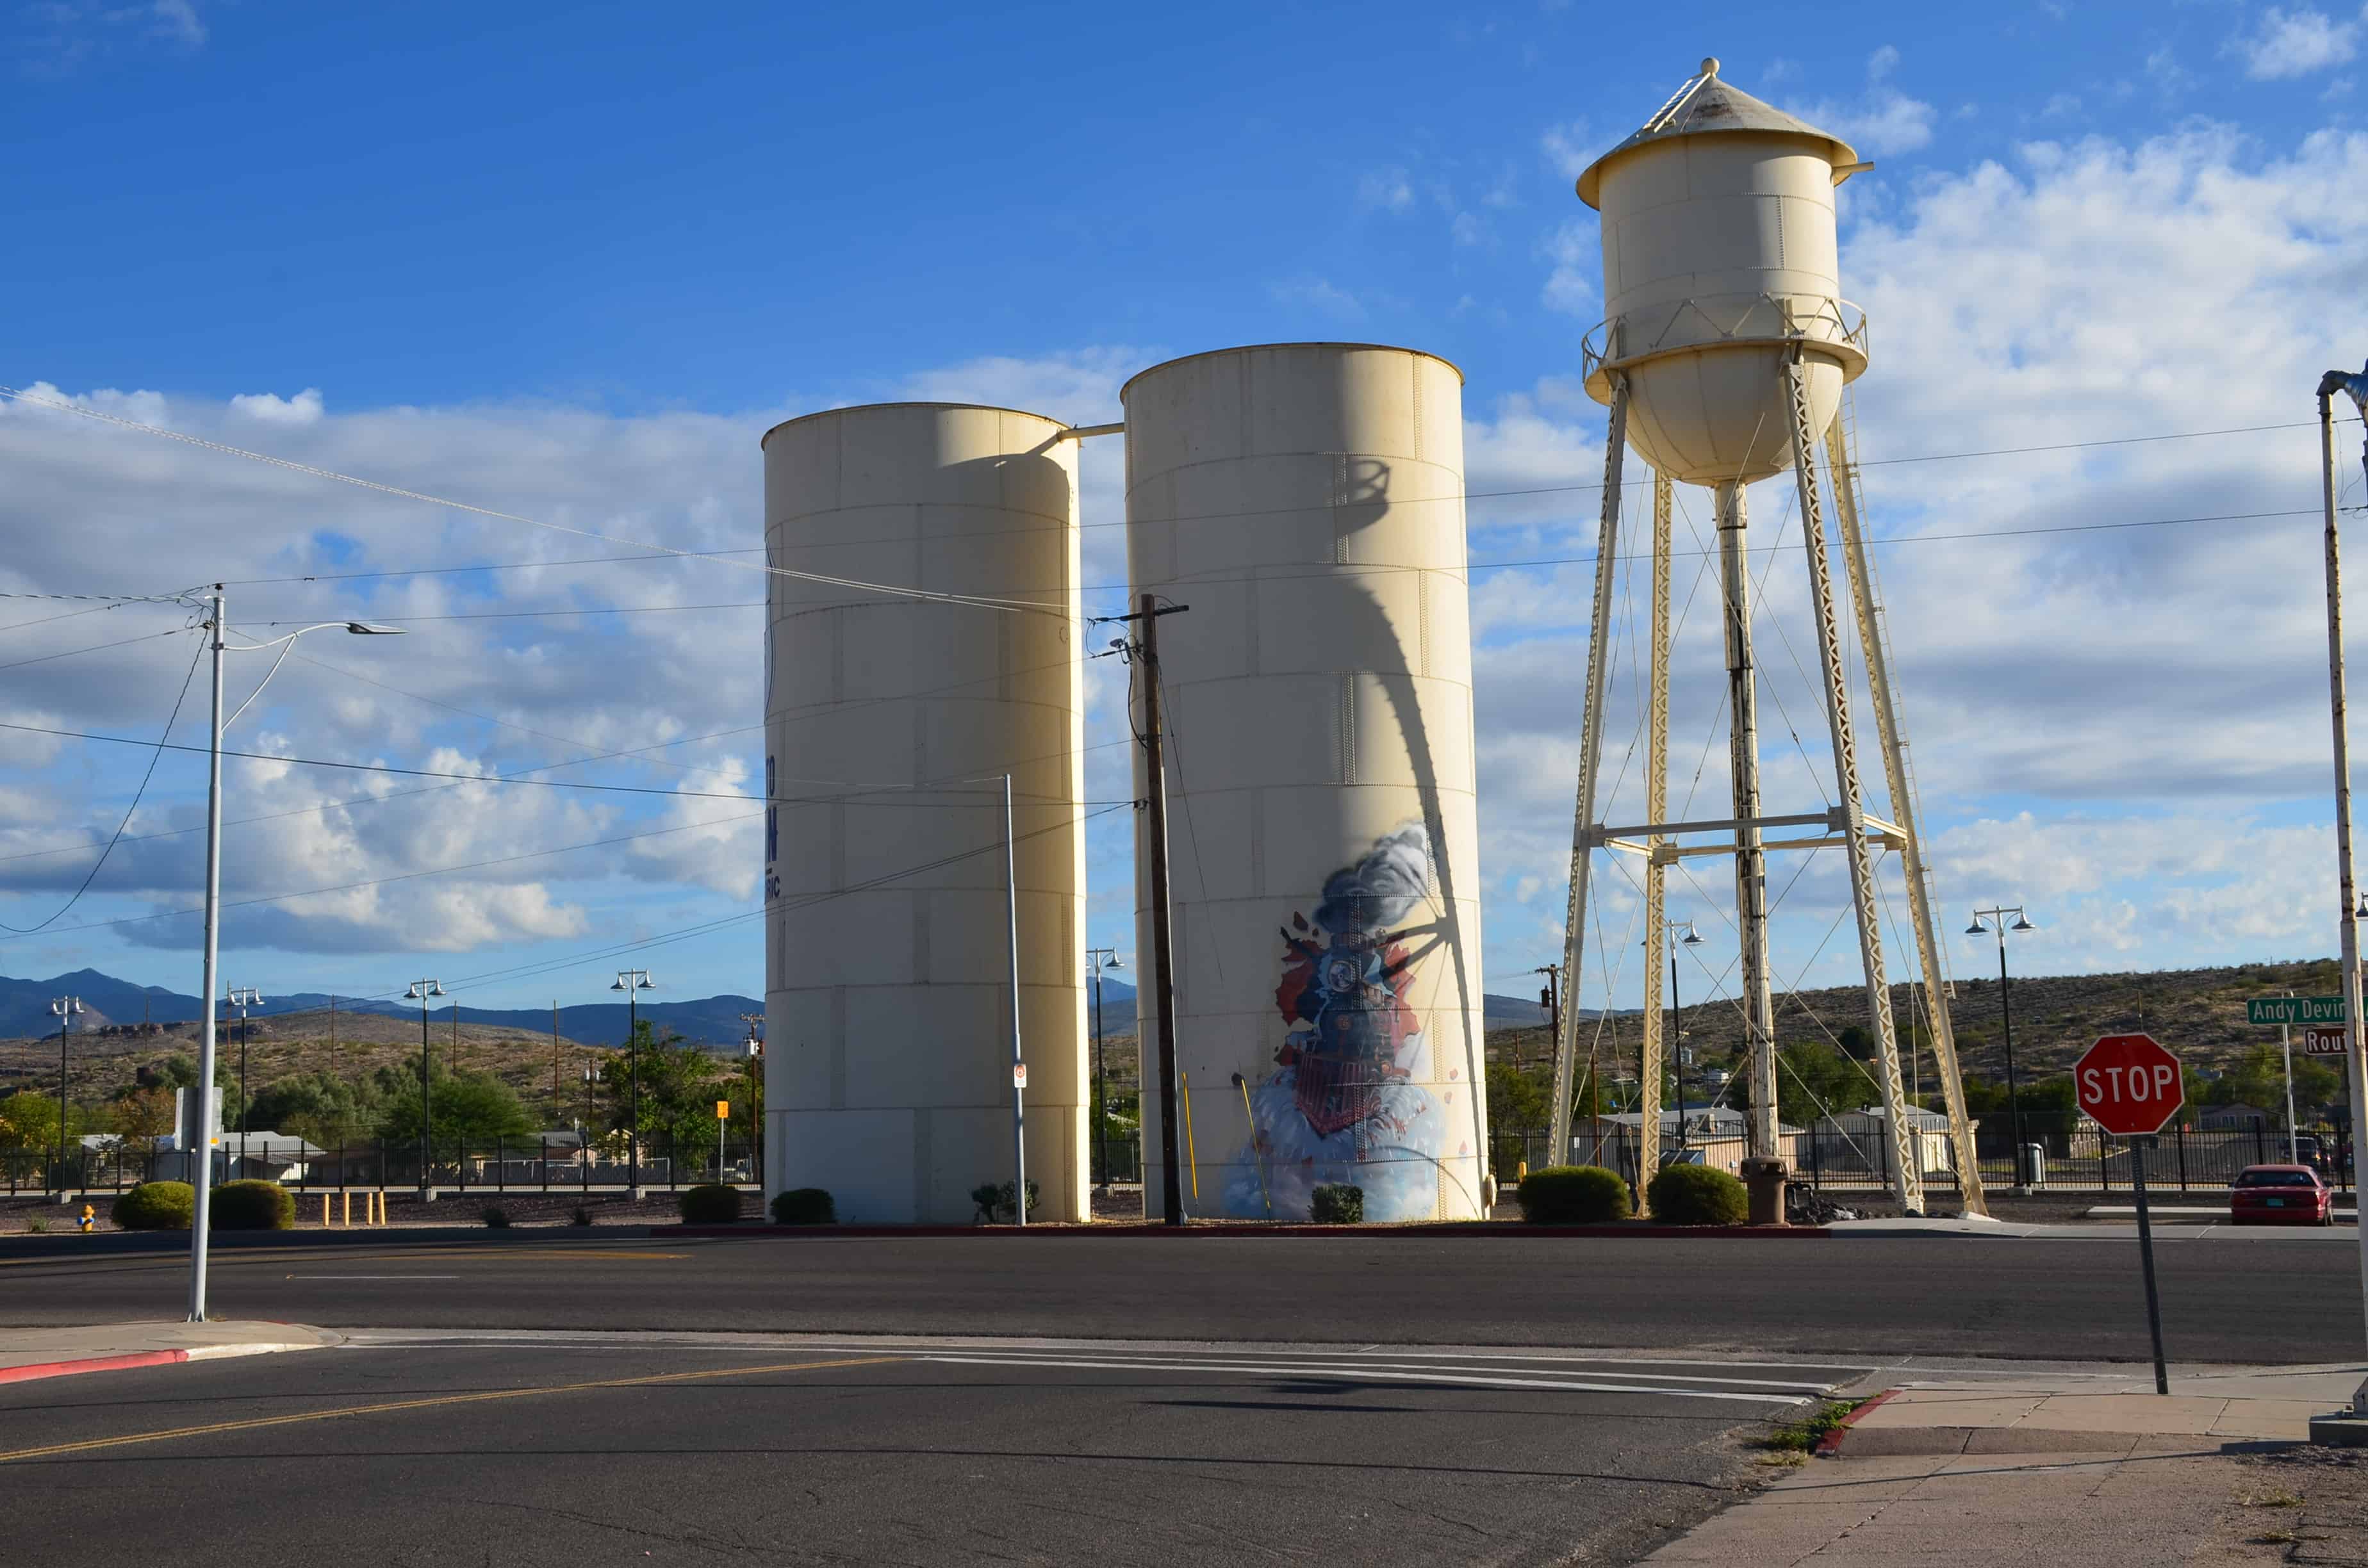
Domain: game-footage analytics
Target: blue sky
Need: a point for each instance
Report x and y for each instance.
(570, 263)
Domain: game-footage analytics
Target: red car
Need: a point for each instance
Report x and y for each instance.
(2281, 1195)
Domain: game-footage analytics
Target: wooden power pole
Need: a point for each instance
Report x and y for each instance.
(1163, 955)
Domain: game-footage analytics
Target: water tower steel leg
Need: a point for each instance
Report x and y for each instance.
(1921, 913)
(1906, 1168)
(1657, 802)
(1751, 860)
(1591, 751)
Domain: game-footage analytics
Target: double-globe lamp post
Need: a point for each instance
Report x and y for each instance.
(633, 982)
(1673, 1032)
(242, 999)
(424, 992)
(64, 1010)
(1996, 918)
(1097, 960)
(199, 1134)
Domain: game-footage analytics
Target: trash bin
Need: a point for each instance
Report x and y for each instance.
(1764, 1179)
(2030, 1170)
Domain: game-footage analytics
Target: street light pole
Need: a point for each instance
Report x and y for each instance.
(1097, 958)
(633, 982)
(202, 1133)
(1997, 917)
(1691, 939)
(1550, 996)
(754, 1048)
(64, 1010)
(423, 992)
(1018, 1056)
(242, 999)
(2355, 1060)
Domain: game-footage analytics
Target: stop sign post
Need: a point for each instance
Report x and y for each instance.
(2131, 1086)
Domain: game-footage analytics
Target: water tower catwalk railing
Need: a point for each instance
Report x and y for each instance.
(1837, 326)
(1847, 825)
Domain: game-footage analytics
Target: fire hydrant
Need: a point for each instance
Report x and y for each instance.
(90, 1220)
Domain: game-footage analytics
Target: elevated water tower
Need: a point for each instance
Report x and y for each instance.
(1723, 358)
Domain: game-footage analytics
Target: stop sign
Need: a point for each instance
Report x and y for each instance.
(2129, 1084)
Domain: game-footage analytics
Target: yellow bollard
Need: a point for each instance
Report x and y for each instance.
(325, 1211)
(1522, 1171)
(380, 1217)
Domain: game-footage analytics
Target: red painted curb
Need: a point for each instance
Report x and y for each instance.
(1483, 1230)
(1831, 1443)
(35, 1370)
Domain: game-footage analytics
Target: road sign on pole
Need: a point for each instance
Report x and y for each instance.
(2131, 1086)
(2293, 1009)
(2330, 1040)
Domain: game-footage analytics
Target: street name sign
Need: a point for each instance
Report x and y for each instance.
(2129, 1084)
(2293, 1009)
(2324, 1041)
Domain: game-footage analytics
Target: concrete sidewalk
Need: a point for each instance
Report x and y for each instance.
(2020, 1469)
(26, 1354)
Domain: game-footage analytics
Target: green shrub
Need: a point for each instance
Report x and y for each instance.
(157, 1206)
(805, 1206)
(496, 1217)
(1003, 1196)
(711, 1203)
(253, 1206)
(1697, 1195)
(1338, 1204)
(1574, 1195)
(986, 1199)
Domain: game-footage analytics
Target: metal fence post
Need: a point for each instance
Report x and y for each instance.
(2180, 1135)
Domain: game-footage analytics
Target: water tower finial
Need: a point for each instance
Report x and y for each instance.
(1710, 66)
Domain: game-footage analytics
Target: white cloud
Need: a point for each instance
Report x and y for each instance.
(2296, 43)
(1386, 189)
(2152, 698)
(1319, 294)
(1883, 121)
(269, 408)
(1575, 249)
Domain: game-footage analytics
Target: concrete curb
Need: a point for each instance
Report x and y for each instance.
(1830, 1444)
(1479, 1230)
(34, 1371)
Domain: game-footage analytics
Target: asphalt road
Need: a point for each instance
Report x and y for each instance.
(2283, 1297)
(400, 1450)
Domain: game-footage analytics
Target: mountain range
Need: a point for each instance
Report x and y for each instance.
(712, 1020)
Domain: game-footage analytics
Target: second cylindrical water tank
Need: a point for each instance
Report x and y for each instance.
(891, 720)
(1306, 502)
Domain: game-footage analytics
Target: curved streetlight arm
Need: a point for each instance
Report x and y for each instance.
(287, 645)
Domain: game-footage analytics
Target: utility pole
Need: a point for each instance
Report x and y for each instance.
(556, 1112)
(1146, 652)
(333, 1035)
(199, 1136)
(1018, 1056)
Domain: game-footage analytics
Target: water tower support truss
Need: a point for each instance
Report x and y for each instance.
(1902, 791)
(1590, 754)
(1906, 1165)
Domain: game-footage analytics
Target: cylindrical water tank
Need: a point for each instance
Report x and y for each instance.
(889, 721)
(1306, 502)
(1719, 258)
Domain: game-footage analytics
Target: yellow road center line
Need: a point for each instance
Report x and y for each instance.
(249, 1425)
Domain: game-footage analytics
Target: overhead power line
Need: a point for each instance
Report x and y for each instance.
(861, 797)
(137, 795)
(978, 601)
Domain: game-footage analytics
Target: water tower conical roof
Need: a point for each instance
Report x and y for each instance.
(1707, 105)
